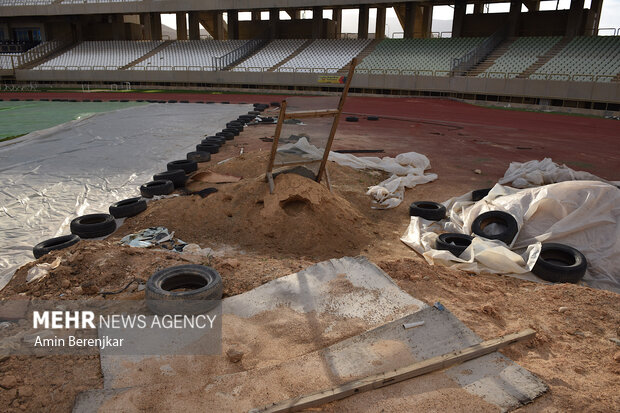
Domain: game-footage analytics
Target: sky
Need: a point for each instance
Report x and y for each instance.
(610, 16)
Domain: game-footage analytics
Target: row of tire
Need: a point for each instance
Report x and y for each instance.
(556, 262)
(163, 183)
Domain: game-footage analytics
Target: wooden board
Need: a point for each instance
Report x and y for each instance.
(385, 379)
(311, 114)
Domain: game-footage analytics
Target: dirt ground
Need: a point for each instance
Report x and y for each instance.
(257, 237)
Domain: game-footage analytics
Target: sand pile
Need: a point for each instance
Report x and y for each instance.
(89, 267)
(302, 217)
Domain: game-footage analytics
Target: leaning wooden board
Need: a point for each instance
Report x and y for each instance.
(385, 379)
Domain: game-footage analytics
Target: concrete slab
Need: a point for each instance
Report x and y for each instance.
(280, 320)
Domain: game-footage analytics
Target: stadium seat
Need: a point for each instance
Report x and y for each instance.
(325, 55)
(189, 55)
(270, 55)
(521, 54)
(426, 56)
(584, 58)
(100, 55)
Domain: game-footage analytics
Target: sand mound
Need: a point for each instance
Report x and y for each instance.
(302, 217)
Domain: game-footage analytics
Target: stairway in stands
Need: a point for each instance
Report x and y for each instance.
(292, 55)
(57, 52)
(487, 62)
(258, 48)
(362, 55)
(142, 58)
(551, 53)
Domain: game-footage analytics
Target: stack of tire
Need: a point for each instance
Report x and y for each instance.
(555, 263)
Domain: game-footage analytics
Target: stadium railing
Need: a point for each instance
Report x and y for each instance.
(221, 62)
(460, 65)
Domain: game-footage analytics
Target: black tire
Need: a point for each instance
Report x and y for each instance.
(453, 242)
(54, 244)
(172, 101)
(432, 211)
(127, 207)
(234, 131)
(559, 263)
(202, 285)
(219, 144)
(253, 112)
(234, 124)
(207, 147)
(93, 225)
(220, 139)
(199, 157)
(226, 135)
(275, 104)
(507, 234)
(185, 164)
(176, 176)
(478, 194)
(216, 140)
(153, 188)
(184, 101)
(372, 118)
(351, 119)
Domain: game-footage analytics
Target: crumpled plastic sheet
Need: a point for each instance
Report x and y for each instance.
(582, 214)
(535, 173)
(153, 236)
(407, 169)
(52, 176)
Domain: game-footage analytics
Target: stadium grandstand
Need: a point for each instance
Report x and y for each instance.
(523, 55)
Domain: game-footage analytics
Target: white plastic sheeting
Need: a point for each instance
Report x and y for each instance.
(407, 169)
(51, 176)
(582, 214)
(535, 173)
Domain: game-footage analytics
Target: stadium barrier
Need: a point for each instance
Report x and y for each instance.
(582, 77)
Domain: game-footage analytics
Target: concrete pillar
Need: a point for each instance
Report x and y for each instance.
(460, 7)
(233, 25)
(156, 26)
(362, 22)
(145, 21)
(181, 26)
(337, 18)
(573, 23)
(256, 15)
(513, 17)
(594, 17)
(294, 14)
(478, 7)
(194, 26)
(380, 26)
(409, 26)
(533, 5)
(274, 18)
(317, 22)
(427, 20)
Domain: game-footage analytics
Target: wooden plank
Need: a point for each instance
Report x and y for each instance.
(276, 137)
(385, 379)
(332, 132)
(311, 114)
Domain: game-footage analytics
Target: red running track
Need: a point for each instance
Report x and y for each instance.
(456, 136)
